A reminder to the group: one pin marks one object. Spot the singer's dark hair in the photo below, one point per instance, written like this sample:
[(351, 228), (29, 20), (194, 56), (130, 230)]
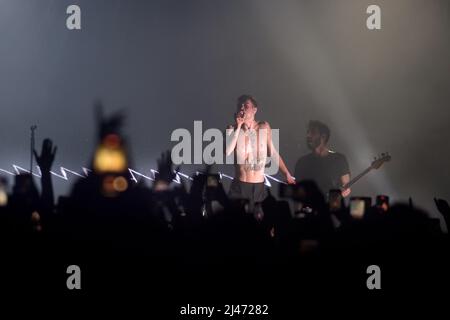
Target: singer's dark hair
[(244, 98)]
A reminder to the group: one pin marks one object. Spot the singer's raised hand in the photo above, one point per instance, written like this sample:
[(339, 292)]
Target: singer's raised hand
[(239, 118)]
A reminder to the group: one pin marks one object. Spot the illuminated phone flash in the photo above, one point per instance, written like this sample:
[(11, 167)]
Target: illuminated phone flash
[(112, 186), (109, 159), (120, 184), (3, 198), (357, 208)]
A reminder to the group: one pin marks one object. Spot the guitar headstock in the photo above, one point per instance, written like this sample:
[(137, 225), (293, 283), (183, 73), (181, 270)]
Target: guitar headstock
[(378, 162)]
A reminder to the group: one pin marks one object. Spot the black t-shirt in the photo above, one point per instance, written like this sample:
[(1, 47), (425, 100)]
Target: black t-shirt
[(325, 171)]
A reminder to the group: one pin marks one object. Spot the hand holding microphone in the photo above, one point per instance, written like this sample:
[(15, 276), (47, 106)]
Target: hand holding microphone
[(240, 118)]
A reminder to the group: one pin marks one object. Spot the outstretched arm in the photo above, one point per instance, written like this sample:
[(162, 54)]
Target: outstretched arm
[(444, 209), (273, 152)]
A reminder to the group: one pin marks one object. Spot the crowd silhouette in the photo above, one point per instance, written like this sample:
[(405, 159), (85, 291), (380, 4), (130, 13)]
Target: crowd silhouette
[(175, 238)]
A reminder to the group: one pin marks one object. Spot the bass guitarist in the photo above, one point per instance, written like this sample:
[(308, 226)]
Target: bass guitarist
[(327, 168)]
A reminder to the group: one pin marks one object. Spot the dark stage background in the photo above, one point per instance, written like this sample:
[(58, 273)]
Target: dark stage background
[(168, 63)]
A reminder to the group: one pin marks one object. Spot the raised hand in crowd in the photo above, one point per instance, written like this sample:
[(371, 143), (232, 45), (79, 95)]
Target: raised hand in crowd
[(444, 209), (45, 161), (48, 152), (165, 171)]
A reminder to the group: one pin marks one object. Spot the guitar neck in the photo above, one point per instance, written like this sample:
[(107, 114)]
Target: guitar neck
[(355, 179)]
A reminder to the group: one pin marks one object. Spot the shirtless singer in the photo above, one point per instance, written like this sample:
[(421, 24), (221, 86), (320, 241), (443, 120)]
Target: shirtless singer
[(251, 142)]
